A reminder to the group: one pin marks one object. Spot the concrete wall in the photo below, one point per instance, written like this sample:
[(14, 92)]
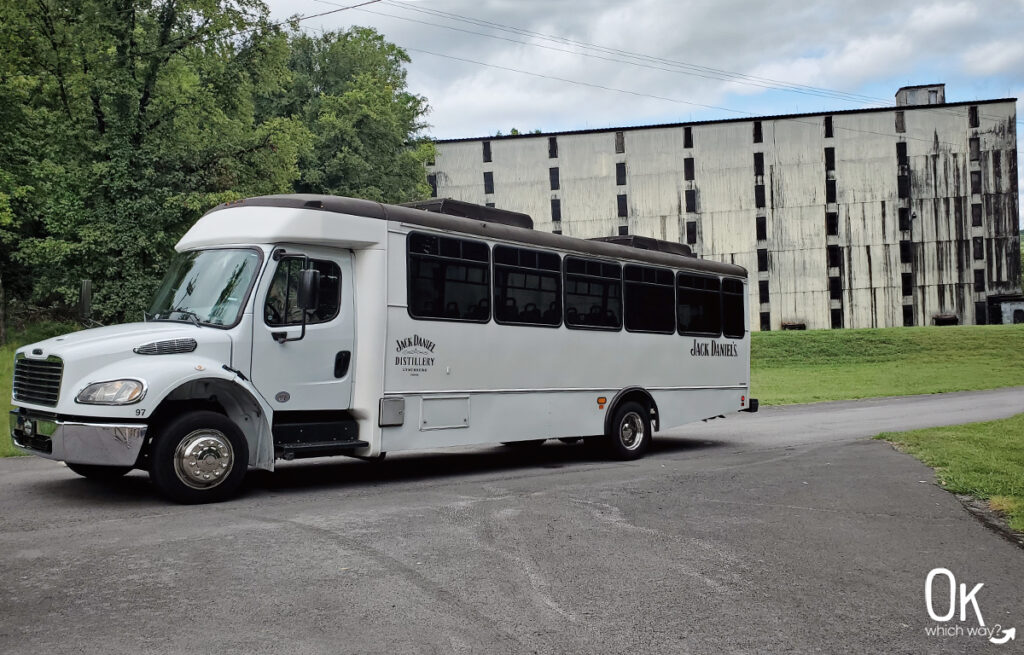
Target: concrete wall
[(725, 211)]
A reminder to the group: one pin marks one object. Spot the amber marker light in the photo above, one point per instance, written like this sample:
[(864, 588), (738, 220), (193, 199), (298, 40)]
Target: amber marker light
[(601, 400)]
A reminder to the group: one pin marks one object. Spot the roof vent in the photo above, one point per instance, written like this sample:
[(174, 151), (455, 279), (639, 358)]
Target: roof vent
[(476, 212), (647, 243)]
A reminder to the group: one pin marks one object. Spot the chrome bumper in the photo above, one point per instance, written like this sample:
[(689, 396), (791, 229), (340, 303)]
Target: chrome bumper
[(110, 444)]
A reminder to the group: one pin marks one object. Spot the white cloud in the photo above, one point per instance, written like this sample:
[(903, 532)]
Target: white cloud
[(994, 58)]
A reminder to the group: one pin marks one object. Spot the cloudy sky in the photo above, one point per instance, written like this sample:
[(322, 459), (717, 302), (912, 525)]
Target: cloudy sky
[(491, 65)]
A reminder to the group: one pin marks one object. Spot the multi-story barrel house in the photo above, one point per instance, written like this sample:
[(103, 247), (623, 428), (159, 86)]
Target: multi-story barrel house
[(880, 217)]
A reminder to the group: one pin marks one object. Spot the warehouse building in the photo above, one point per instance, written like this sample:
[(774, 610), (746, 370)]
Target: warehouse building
[(904, 215)]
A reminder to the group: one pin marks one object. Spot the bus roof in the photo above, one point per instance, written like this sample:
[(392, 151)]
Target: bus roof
[(484, 229)]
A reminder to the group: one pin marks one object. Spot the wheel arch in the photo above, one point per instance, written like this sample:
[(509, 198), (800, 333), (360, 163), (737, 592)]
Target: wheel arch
[(634, 394), (225, 396)]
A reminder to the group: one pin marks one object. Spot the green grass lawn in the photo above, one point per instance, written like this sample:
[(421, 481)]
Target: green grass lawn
[(34, 333), (984, 460), (818, 365)]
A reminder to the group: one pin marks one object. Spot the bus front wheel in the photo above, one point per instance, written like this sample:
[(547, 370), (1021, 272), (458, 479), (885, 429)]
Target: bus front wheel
[(630, 431), (199, 457)]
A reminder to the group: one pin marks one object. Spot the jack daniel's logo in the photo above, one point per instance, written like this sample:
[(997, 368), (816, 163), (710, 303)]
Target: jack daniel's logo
[(713, 349), (414, 354)]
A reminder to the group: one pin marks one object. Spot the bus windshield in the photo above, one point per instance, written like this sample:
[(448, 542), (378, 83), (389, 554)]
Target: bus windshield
[(206, 286)]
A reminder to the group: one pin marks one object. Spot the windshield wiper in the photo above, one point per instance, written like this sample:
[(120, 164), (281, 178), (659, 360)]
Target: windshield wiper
[(192, 316)]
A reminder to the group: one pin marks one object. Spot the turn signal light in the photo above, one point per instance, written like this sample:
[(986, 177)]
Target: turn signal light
[(601, 401)]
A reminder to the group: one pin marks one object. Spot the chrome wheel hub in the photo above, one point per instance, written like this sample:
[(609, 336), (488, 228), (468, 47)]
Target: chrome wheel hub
[(631, 431), (203, 459)]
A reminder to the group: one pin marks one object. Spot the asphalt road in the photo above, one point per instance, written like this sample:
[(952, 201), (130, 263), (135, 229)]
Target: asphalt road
[(787, 531)]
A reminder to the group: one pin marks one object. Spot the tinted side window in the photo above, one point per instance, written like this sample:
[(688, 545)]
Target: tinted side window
[(449, 279), (281, 308), (699, 307), (593, 294), (732, 308), (527, 286), (650, 299)]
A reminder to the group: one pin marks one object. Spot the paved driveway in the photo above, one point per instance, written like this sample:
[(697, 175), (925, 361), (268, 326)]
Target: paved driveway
[(784, 531)]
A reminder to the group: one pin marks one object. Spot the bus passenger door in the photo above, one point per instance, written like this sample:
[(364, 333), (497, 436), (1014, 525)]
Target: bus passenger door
[(312, 371)]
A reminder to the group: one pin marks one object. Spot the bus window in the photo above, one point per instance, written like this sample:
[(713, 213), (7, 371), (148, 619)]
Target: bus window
[(449, 279), (593, 294), (699, 307), (650, 299), (281, 308), (527, 286), (732, 308)]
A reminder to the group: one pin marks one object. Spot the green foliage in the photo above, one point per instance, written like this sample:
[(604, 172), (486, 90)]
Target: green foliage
[(984, 460), (819, 365), (125, 122)]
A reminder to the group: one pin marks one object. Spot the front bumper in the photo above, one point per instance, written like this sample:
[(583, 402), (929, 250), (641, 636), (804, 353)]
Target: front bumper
[(107, 444)]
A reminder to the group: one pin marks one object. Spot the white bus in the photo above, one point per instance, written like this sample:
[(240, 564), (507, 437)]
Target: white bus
[(305, 326)]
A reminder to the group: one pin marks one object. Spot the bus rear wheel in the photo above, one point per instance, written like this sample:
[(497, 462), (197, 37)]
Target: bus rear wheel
[(199, 457), (630, 432)]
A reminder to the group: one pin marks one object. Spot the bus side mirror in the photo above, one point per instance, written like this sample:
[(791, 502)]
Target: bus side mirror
[(309, 289), (85, 300)]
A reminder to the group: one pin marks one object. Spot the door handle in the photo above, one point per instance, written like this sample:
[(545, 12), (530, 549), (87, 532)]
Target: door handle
[(341, 362)]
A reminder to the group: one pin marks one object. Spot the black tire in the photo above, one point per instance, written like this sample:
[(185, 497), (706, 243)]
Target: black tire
[(98, 472), (198, 457), (629, 432)]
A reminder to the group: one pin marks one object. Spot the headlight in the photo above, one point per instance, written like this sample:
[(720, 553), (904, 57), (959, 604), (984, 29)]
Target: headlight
[(115, 392)]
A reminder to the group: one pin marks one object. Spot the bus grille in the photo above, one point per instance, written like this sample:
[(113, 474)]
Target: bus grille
[(37, 381)]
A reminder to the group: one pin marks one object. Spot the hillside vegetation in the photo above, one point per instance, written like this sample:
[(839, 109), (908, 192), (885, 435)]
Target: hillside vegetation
[(818, 365)]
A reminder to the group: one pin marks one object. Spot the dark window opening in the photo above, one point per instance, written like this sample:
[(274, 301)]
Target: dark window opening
[(688, 168), (901, 125), (972, 116), (732, 309), (687, 137), (975, 181), (757, 132), (623, 208), (699, 306), (904, 219), (908, 315), (553, 178), (758, 163), (908, 284), (831, 223), (759, 195), (835, 288), (623, 230), (527, 286), (649, 299), (449, 279), (901, 153), (979, 247), (830, 159), (762, 259), (556, 209), (691, 232), (979, 280), (691, 200), (593, 294), (830, 190), (835, 256), (903, 186), (762, 228), (620, 142), (281, 307), (432, 181), (906, 253), (981, 313), (974, 147), (766, 322), (837, 319), (487, 151), (976, 215), (828, 127), (489, 204), (488, 182), (556, 231), (552, 147), (762, 291), (620, 173)]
